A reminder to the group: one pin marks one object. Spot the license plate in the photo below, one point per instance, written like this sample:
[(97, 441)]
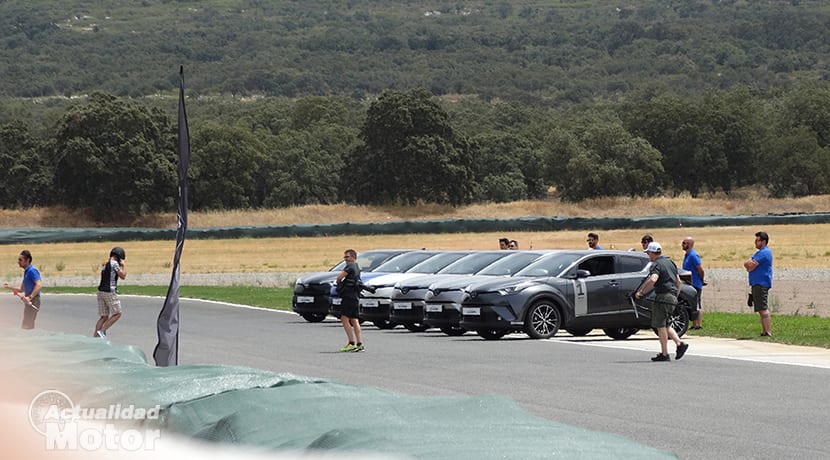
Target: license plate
[(369, 303), (402, 306), (434, 308), (336, 301), (471, 311), (305, 299)]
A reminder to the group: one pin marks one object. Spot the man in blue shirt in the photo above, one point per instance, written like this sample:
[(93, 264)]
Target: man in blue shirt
[(29, 289), (593, 242), (759, 267), (692, 263)]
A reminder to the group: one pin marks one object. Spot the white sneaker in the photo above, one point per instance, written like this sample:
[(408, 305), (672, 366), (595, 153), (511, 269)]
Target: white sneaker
[(101, 334)]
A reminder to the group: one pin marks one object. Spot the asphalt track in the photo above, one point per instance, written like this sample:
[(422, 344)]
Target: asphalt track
[(707, 405)]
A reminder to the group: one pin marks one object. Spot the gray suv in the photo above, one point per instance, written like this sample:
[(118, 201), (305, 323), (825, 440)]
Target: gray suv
[(574, 290)]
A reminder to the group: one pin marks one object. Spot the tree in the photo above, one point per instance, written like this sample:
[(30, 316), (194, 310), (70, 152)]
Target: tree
[(612, 163), (25, 176), (809, 106), (114, 156), (410, 153), (795, 164), (559, 145), (228, 167), (707, 143), (308, 166), (508, 168)]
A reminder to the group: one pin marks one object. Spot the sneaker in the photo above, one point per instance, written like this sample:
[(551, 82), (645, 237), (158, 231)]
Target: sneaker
[(681, 350), (766, 334), (358, 347), (101, 334), (349, 347), (661, 357)]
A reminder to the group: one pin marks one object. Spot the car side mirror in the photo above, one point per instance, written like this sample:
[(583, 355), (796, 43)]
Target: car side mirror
[(583, 273)]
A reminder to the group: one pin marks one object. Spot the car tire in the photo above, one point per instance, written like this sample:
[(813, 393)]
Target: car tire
[(453, 331), (385, 324), (543, 320), (416, 327), (313, 317), (578, 332), (491, 334), (680, 320), (620, 333)]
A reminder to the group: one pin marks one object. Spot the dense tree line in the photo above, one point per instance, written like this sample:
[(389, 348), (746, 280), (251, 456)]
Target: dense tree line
[(552, 53), (113, 154), (393, 102)]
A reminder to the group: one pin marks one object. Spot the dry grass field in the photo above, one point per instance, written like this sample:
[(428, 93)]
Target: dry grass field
[(794, 246), (720, 247)]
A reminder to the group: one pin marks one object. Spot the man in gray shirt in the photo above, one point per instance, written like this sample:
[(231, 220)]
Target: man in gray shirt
[(666, 282)]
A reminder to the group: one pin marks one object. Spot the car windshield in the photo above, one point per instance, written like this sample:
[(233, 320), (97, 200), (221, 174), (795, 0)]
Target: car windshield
[(550, 266), (439, 261), (472, 263), (370, 260), (339, 267), (403, 262), (510, 264)]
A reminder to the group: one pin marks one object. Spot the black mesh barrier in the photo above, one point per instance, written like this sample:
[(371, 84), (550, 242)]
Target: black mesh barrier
[(527, 224)]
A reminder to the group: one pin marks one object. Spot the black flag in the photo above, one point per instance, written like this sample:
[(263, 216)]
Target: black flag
[(167, 349)]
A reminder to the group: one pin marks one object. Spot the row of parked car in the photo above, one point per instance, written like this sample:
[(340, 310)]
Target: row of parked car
[(493, 293)]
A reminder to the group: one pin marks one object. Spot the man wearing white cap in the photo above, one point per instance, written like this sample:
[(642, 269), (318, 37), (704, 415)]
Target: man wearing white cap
[(666, 282)]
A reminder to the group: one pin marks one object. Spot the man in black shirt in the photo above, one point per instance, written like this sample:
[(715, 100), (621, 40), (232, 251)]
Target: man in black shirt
[(348, 286), (109, 306)]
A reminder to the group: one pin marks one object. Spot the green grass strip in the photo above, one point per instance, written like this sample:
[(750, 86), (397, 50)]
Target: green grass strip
[(811, 331)]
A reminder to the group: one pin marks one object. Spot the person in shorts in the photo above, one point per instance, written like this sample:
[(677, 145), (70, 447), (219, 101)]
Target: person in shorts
[(348, 286), (109, 306), (30, 289), (692, 263), (664, 278), (759, 267)]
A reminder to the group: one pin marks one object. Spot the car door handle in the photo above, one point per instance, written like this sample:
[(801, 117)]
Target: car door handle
[(613, 283)]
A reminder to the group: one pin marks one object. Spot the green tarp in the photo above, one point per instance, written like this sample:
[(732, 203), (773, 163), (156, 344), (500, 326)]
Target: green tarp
[(286, 412)]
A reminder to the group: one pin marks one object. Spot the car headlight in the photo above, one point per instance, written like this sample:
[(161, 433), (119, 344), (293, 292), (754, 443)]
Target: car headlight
[(509, 290)]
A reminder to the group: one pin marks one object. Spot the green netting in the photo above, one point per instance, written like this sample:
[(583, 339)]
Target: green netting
[(282, 411), (529, 224)]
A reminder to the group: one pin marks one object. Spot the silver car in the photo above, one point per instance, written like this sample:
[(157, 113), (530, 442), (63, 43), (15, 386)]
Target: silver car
[(442, 299)]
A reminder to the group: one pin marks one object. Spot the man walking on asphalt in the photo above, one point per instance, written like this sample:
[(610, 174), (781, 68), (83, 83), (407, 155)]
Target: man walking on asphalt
[(663, 276)]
